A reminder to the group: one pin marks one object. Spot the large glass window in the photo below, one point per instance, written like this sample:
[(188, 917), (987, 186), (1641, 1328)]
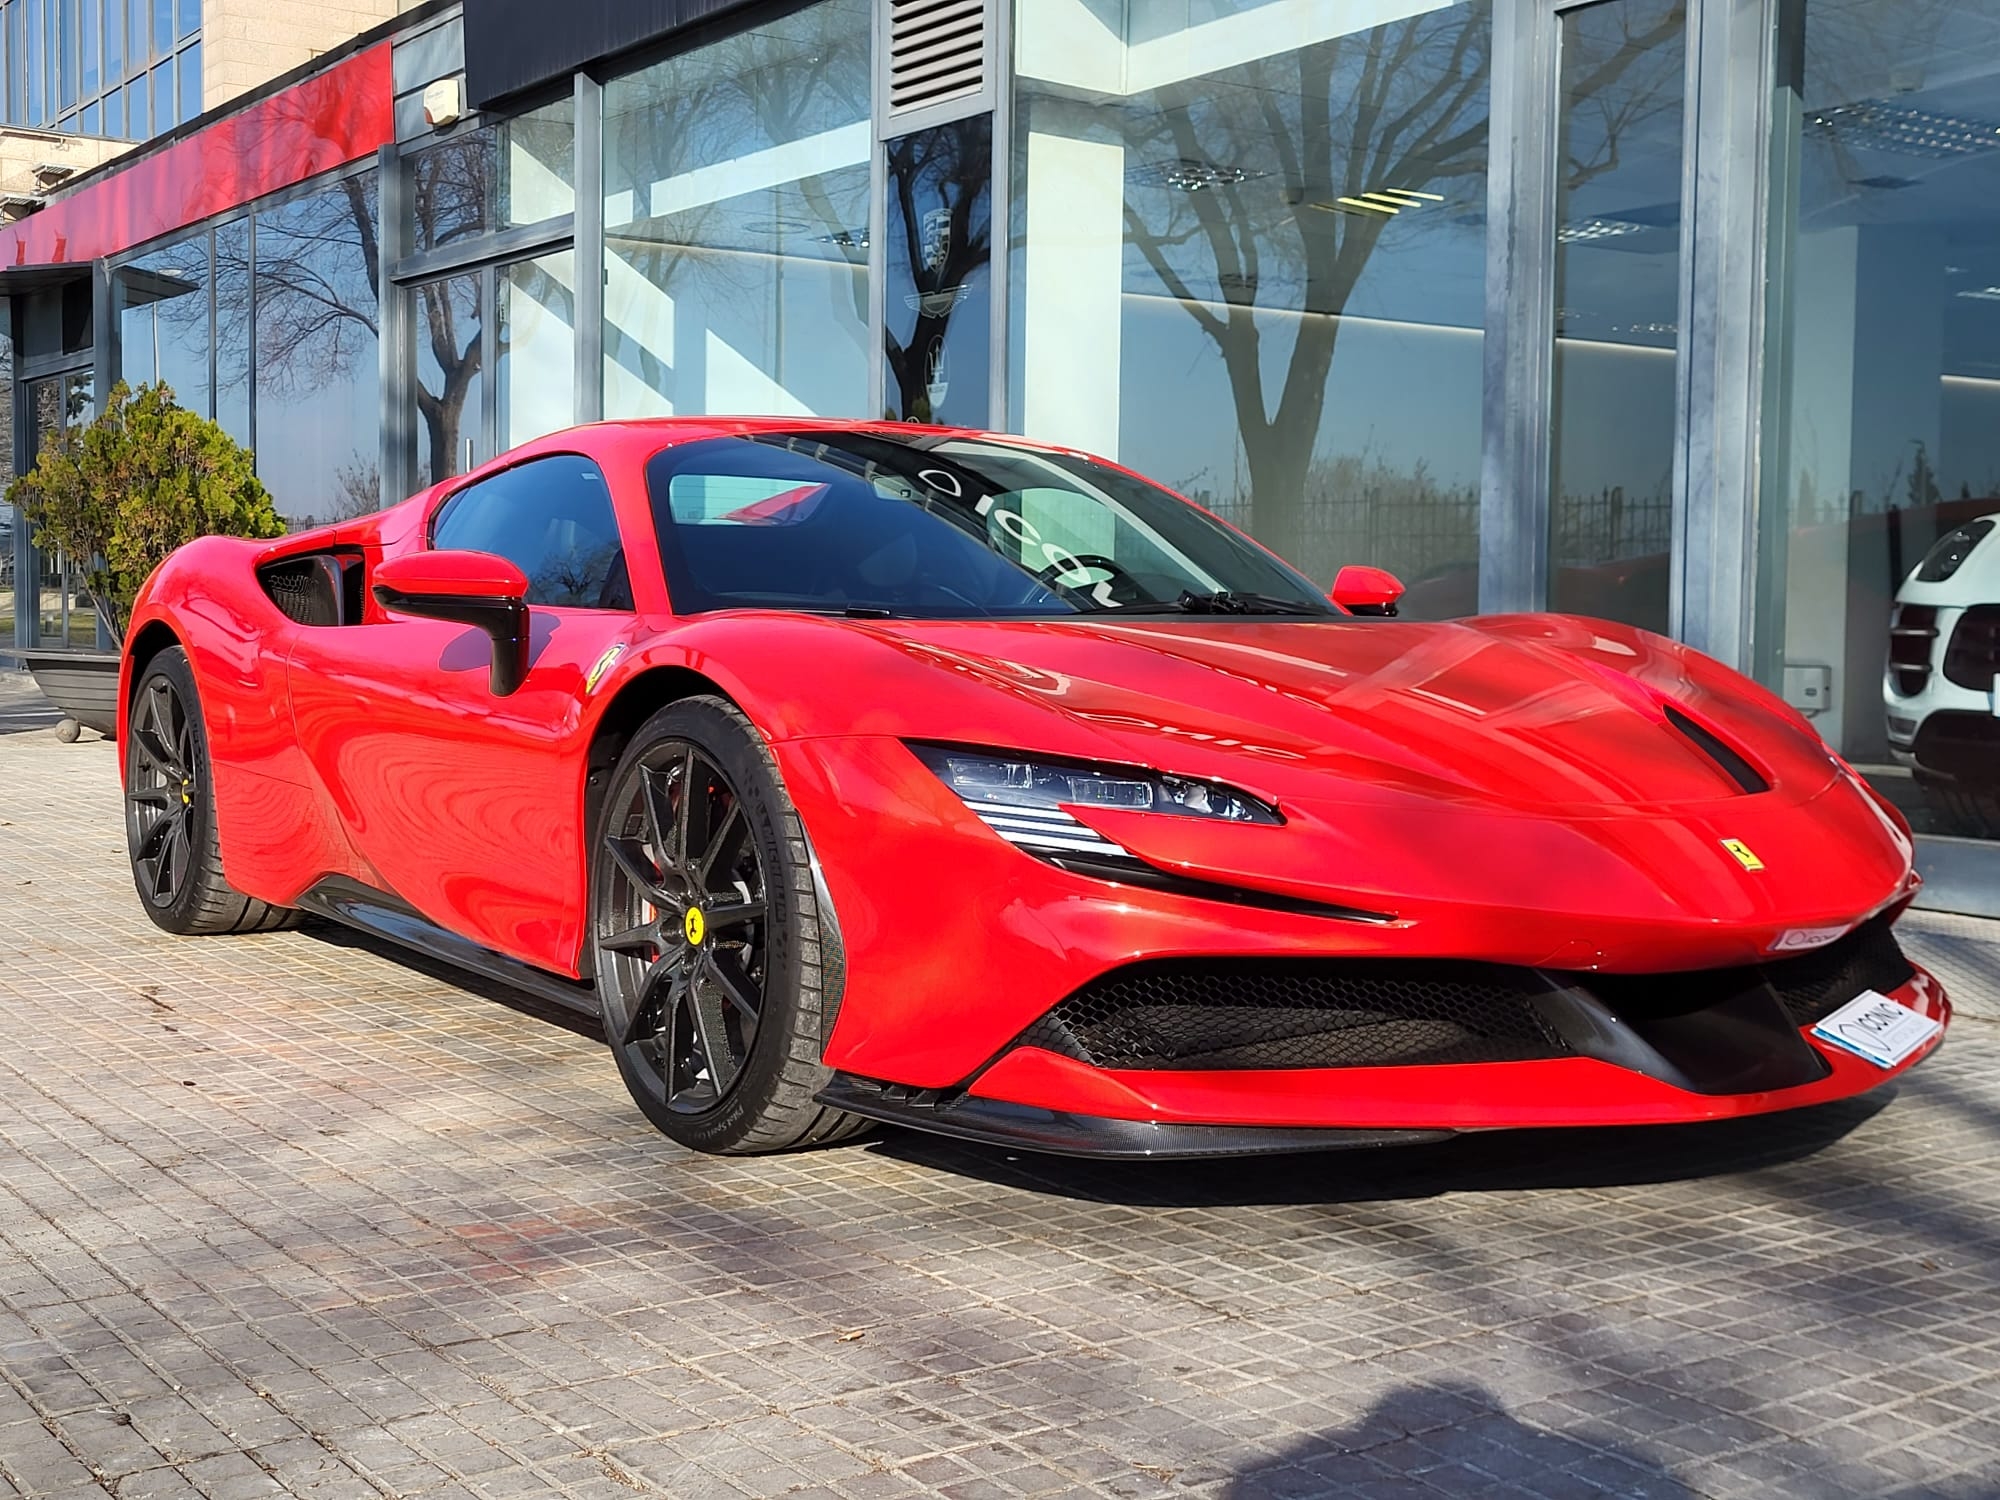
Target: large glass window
[(232, 328), (534, 364), (1621, 79), (1250, 260), (519, 172), (318, 421), (938, 313), (736, 223), (163, 312), (69, 64), (1878, 591), (450, 351)]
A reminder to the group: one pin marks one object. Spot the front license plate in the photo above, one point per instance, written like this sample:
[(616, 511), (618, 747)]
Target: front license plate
[(1873, 1026)]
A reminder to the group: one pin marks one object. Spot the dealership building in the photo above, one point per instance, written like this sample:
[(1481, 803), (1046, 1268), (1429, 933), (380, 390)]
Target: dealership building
[(1678, 312)]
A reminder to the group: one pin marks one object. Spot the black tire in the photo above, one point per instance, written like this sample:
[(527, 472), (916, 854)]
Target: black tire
[(714, 970), (1971, 812), (170, 812)]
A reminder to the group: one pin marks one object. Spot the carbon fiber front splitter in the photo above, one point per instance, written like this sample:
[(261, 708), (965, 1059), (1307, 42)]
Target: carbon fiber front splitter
[(994, 1122)]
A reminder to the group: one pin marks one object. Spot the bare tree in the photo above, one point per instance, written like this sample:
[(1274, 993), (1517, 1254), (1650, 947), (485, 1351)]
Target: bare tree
[(1400, 108)]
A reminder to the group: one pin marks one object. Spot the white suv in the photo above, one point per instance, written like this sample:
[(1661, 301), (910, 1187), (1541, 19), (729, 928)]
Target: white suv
[(1944, 644)]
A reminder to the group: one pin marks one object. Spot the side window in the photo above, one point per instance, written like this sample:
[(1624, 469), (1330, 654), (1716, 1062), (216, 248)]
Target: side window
[(551, 517)]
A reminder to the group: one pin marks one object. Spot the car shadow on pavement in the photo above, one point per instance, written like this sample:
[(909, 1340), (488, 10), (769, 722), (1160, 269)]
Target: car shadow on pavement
[(1453, 1438), (336, 936), (1483, 1161)]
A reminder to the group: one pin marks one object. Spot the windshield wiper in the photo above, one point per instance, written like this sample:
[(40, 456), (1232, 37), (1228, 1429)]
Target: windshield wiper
[(1232, 602)]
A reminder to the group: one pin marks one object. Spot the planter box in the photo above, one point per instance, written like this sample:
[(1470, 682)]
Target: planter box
[(83, 684)]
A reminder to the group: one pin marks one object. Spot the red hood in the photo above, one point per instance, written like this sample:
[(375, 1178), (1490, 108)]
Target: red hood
[(1514, 766), (1367, 710)]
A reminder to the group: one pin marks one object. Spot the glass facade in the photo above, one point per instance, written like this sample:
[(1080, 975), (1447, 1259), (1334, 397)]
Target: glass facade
[(1619, 123), (1465, 289), (316, 373), (269, 323), (127, 69), (736, 223), (1249, 258), (1882, 397)]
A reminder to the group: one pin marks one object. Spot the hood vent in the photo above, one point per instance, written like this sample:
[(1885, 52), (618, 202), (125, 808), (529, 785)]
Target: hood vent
[(937, 52), (1732, 764)]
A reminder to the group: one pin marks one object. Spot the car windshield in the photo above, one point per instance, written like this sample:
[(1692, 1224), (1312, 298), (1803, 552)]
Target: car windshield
[(945, 527)]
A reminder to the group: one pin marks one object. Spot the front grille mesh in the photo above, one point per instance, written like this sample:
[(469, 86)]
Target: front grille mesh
[(1299, 1013), (1200, 1014), (1974, 653), (1912, 636)]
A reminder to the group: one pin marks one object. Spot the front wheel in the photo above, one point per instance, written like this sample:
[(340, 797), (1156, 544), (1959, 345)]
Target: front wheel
[(711, 970)]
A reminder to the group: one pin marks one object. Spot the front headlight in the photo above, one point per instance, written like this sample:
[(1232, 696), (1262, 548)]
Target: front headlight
[(1023, 799)]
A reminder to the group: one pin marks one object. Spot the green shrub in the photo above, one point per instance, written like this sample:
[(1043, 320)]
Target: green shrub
[(116, 496)]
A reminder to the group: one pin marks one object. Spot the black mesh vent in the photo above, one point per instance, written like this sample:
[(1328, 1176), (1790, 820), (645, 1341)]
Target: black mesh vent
[(1811, 985), (308, 589), (1346, 1013), (1912, 637), (1974, 653), (1299, 1013)]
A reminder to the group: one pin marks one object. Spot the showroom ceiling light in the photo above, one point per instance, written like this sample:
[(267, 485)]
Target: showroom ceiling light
[(1583, 231), (1189, 176), (1379, 202), (1872, 124)]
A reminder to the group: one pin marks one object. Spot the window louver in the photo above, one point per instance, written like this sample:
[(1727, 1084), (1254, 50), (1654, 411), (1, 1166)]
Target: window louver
[(937, 51)]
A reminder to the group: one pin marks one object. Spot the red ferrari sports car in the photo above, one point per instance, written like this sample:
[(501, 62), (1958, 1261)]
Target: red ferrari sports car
[(860, 772)]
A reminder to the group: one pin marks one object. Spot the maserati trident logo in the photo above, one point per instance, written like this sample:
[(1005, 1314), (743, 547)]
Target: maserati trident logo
[(1743, 854)]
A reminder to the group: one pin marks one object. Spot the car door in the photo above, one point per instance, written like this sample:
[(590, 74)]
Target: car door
[(465, 805)]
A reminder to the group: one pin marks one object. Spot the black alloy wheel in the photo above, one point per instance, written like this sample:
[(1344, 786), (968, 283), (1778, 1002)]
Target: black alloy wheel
[(160, 788), (170, 826), (690, 959), (708, 947)]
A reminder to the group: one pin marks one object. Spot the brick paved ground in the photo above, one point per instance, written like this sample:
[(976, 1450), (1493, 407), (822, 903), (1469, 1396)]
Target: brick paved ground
[(281, 1215)]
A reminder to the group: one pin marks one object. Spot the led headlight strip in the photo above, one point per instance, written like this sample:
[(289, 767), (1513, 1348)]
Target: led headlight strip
[(1026, 800), (1038, 828)]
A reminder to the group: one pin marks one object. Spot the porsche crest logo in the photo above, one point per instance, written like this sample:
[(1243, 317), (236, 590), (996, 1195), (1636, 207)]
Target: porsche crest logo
[(1745, 856)]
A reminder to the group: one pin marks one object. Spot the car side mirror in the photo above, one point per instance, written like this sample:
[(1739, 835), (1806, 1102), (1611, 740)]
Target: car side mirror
[(1366, 591), (466, 588)]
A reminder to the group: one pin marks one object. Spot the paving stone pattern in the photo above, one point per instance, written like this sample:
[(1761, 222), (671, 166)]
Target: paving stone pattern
[(283, 1215)]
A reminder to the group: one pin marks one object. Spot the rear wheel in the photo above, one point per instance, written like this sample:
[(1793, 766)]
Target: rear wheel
[(711, 971), (170, 811)]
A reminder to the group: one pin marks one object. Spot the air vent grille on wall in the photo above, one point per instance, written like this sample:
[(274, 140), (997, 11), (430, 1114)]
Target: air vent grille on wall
[(937, 51)]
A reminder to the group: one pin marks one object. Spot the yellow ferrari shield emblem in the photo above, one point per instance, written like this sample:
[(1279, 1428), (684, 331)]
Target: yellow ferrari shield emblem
[(1744, 855), (696, 925)]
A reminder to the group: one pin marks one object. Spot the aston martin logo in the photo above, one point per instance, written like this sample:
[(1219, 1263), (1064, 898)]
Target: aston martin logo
[(1744, 855)]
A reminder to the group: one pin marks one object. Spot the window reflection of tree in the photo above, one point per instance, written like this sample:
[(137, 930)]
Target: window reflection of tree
[(577, 578), (316, 307), (452, 190), (948, 170), (1266, 152), (168, 290), (785, 82)]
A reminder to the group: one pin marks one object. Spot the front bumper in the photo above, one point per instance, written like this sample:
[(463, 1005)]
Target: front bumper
[(1041, 1101), (953, 942)]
